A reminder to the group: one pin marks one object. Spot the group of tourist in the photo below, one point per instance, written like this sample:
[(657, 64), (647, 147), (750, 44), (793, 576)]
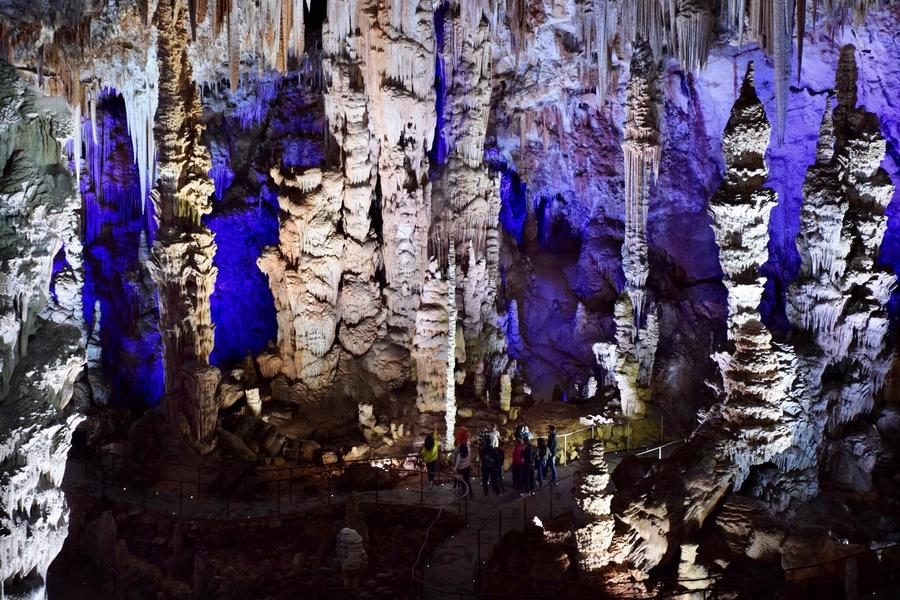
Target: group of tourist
[(531, 464)]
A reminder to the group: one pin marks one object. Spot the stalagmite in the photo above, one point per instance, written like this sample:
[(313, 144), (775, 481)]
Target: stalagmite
[(841, 295), (450, 401), (629, 361), (431, 346), (746, 428), (594, 523), (305, 273), (181, 263)]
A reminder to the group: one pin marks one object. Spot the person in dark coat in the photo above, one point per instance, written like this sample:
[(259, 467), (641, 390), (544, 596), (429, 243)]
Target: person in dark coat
[(488, 456), (500, 457), (528, 456), (540, 461), (551, 458)]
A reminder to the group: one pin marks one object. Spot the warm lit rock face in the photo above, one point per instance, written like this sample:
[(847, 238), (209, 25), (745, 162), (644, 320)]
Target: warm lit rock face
[(356, 298), (181, 262), (594, 523), (40, 337)]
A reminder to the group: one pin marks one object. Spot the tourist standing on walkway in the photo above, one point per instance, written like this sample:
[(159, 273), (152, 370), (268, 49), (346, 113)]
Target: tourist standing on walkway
[(540, 461), (463, 465), (488, 455), (494, 436), (528, 455), (430, 454), (499, 459), (551, 459), (518, 464)]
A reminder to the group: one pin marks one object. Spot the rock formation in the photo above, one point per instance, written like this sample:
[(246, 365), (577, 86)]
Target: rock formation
[(641, 149), (41, 338), (628, 362), (746, 428), (594, 523), (182, 256), (840, 296)]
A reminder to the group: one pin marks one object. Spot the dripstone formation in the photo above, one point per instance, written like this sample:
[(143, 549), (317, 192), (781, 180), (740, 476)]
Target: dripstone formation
[(252, 234)]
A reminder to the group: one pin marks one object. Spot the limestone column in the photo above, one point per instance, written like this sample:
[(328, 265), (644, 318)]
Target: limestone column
[(181, 262)]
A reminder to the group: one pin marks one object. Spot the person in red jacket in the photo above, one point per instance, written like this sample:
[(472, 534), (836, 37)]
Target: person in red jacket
[(518, 465)]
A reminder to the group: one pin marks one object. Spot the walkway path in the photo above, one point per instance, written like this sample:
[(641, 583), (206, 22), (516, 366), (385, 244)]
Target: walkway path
[(451, 570), (446, 571)]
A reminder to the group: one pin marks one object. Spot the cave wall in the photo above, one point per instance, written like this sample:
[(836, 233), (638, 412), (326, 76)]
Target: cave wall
[(42, 331)]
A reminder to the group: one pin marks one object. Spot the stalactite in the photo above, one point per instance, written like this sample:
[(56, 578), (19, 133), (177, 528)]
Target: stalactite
[(695, 29), (801, 34), (783, 47), (234, 49), (298, 29), (641, 149)]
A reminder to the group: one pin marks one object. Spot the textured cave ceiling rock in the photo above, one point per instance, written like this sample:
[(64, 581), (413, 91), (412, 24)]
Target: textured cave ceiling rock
[(40, 338)]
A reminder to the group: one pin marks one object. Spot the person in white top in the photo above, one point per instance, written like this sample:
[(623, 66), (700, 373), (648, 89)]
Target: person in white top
[(494, 436)]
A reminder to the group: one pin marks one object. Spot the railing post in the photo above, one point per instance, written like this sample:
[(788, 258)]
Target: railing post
[(524, 513), (478, 560), (467, 509)]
